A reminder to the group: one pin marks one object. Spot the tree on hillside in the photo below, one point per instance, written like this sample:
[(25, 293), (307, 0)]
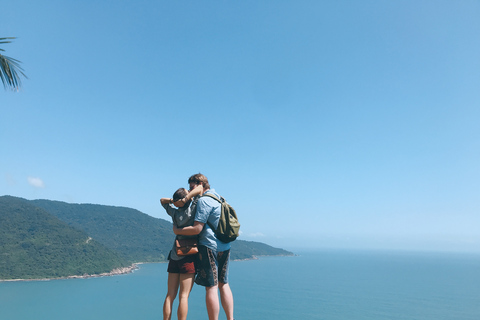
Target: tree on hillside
[(10, 70)]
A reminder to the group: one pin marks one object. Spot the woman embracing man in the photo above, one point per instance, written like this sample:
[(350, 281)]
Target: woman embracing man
[(196, 250)]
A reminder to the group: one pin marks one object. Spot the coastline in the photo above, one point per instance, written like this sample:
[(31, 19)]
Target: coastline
[(114, 272), (126, 270), (256, 257)]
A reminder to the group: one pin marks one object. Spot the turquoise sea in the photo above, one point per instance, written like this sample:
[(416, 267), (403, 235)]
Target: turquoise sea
[(330, 285)]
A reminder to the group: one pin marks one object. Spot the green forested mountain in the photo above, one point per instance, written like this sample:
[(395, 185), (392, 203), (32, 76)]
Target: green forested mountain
[(242, 249), (137, 236), (45, 239), (35, 244)]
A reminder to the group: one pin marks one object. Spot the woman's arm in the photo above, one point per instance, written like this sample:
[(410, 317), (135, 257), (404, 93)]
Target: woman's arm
[(198, 190), (166, 200), (189, 231)]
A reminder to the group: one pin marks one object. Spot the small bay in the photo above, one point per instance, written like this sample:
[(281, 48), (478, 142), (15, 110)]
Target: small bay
[(330, 285)]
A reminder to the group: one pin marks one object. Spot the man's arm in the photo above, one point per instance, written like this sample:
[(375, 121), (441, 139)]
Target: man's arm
[(198, 190), (189, 231)]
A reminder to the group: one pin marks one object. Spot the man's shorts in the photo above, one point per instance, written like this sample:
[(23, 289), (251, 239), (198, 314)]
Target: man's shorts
[(212, 267), (184, 265)]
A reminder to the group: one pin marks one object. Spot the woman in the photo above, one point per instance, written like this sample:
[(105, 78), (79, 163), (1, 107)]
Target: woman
[(181, 269)]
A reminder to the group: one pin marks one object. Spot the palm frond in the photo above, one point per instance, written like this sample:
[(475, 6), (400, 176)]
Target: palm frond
[(3, 40), (10, 69)]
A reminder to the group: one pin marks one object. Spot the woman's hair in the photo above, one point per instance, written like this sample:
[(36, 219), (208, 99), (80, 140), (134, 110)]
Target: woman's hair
[(179, 194), (199, 179)]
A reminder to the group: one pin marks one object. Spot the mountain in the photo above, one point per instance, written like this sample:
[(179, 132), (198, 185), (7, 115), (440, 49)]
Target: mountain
[(136, 236), (242, 249), (35, 244), (81, 239)]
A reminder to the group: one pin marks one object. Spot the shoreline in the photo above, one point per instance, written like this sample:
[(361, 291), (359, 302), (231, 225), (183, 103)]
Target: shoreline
[(256, 257), (124, 270), (114, 272)]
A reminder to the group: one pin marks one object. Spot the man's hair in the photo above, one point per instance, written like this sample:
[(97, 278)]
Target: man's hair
[(179, 194), (199, 179)]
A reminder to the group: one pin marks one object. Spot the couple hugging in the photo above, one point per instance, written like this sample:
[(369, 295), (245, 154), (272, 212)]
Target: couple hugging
[(192, 216)]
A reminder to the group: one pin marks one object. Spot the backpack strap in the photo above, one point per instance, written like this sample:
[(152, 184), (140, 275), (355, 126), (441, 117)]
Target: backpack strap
[(211, 196), (214, 197)]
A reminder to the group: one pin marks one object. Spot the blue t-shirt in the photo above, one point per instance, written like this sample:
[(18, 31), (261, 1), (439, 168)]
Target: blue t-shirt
[(209, 210)]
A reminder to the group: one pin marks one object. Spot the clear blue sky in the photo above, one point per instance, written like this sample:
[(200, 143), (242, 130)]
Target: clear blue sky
[(329, 124)]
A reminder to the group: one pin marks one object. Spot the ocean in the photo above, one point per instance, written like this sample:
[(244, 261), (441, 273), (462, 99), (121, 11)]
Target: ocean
[(330, 285)]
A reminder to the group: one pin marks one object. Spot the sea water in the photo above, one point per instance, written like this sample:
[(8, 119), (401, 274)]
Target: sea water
[(330, 285)]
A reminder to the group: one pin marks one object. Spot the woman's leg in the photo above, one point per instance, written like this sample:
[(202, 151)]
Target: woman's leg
[(186, 285), (173, 282)]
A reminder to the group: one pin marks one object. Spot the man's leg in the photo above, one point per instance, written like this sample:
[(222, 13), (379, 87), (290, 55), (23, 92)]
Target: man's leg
[(225, 291), (207, 276), (227, 299), (211, 299)]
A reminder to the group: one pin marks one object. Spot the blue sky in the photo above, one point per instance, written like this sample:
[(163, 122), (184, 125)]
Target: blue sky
[(326, 124)]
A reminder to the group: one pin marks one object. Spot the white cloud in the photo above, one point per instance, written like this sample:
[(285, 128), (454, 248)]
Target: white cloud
[(36, 182)]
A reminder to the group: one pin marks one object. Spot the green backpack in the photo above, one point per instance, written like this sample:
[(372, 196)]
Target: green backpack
[(228, 226)]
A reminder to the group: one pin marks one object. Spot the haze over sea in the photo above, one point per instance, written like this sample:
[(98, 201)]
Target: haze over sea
[(329, 285)]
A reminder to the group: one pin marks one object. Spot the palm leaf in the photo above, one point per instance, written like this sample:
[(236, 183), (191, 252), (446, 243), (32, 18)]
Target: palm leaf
[(4, 40), (10, 69)]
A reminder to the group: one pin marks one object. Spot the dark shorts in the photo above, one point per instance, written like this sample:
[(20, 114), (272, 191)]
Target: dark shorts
[(184, 265), (212, 267)]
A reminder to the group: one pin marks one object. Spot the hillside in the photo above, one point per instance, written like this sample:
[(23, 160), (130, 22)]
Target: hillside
[(136, 236), (35, 244), (248, 249)]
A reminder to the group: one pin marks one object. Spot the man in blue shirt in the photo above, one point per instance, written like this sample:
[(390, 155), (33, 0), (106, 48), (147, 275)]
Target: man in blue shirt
[(213, 255)]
